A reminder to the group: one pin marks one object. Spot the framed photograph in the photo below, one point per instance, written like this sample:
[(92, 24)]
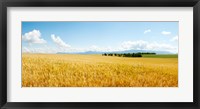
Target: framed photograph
[(99, 54)]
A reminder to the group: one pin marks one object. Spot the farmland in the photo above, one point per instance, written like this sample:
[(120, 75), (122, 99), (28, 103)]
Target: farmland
[(161, 56), (76, 70)]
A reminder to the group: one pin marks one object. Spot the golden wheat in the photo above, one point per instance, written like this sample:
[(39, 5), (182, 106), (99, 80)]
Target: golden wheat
[(70, 70)]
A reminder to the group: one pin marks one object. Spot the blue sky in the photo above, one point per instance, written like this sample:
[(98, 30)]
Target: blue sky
[(52, 37)]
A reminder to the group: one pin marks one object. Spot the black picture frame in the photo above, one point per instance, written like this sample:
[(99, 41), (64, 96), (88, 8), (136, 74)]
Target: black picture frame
[(99, 3)]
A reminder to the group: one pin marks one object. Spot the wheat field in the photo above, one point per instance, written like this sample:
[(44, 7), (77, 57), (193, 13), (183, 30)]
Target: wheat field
[(73, 70)]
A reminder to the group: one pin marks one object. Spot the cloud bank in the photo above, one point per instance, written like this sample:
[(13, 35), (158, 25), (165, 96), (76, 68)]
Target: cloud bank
[(126, 45), (145, 45), (33, 37), (57, 40)]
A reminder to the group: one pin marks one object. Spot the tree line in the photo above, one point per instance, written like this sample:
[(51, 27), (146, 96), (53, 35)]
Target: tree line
[(127, 54)]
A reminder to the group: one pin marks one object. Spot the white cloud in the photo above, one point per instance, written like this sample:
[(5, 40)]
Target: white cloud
[(100, 49), (144, 45), (137, 45), (174, 39), (165, 32), (94, 47), (59, 41), (127, 45), (147, 31), (33, 37), (43, 49)]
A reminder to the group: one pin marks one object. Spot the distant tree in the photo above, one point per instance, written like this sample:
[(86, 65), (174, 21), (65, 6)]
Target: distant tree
[(133, 55), (128, 55), (139, 54), (124, 55)]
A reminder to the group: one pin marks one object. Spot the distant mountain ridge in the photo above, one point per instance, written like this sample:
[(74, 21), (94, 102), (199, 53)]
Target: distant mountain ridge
[(125, 51)]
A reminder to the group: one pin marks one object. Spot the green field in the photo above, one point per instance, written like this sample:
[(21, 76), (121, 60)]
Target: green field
[(161, 56)]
